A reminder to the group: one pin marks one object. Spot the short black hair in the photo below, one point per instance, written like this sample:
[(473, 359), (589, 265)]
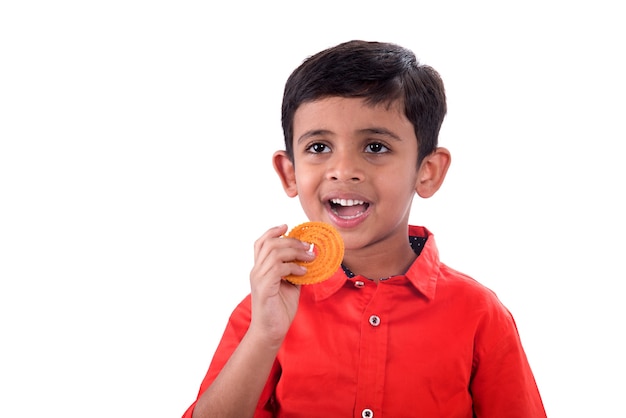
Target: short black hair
[(380, 73)]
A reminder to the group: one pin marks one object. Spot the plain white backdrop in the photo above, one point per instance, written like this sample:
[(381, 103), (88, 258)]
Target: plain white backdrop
[(135, 174)]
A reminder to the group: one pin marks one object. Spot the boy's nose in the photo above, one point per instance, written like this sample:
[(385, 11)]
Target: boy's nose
[(344, 167)]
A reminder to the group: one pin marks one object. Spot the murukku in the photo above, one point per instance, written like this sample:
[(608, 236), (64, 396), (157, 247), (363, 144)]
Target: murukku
[(328, 247)]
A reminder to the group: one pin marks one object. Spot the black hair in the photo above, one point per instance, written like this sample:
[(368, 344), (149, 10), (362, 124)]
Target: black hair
[(380, 73)]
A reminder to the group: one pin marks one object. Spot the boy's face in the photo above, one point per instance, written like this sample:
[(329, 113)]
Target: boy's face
[(355, 167)]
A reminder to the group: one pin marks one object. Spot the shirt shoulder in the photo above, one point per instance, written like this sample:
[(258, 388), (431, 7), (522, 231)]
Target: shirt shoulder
[(473, 298)]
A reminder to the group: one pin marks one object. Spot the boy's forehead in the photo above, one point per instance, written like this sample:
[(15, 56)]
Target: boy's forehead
[(350, 115), (349, 104), (327, 108)]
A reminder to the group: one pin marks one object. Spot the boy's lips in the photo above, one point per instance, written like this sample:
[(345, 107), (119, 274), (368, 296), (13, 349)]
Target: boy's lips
[(348, 209)]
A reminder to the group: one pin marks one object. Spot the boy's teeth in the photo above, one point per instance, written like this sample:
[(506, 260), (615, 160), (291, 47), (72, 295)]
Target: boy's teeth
[(347, 202)]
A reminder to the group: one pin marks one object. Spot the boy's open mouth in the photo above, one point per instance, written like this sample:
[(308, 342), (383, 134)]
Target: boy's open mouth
[(348, 208)]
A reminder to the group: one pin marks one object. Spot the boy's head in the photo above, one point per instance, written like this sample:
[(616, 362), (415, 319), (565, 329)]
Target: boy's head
[(377, 72)]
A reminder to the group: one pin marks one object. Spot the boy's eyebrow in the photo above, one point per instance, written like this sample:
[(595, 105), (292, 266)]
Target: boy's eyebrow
[(381, 131), (313, 132), (375, 130)]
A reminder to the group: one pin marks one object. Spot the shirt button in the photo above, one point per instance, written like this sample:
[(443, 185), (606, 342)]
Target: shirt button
[(367, 413), (359, 284), (374, 320)]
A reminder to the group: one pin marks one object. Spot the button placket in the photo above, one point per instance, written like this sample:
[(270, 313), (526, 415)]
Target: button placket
[(373, 349)]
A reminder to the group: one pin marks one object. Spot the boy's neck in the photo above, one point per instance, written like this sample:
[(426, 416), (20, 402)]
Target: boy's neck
[(375, 264)]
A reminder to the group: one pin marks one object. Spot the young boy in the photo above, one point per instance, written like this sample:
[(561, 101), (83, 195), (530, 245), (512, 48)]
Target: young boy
[(394, 332)]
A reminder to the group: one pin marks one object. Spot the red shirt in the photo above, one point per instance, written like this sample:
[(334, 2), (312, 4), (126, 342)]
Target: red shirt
[(430, 343)]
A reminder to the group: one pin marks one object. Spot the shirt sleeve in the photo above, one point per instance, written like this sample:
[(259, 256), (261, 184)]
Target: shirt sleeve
[(236, 328), (502, 383)]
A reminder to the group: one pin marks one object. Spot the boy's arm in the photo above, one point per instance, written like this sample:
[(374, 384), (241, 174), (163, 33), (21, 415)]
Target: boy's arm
[(503, 383), (236, 390)]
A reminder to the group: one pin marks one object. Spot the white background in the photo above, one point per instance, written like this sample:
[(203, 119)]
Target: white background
[(135, 174)]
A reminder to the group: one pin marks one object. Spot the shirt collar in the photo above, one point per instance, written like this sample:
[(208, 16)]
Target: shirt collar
[(422, 274)]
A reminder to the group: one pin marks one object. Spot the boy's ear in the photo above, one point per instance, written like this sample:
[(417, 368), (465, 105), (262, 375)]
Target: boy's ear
[(432, 172), (286, 171)]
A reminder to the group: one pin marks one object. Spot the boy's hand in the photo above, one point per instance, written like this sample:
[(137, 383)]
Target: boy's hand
[(275, 300)]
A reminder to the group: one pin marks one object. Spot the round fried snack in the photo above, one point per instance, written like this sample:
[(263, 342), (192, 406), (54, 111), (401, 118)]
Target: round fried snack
[(328, 247)]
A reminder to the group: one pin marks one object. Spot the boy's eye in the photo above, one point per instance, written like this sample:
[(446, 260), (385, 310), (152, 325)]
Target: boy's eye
[(318, 148), (376, 148)]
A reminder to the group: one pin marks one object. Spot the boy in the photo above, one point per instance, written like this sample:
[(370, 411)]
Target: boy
[(394, 332)]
